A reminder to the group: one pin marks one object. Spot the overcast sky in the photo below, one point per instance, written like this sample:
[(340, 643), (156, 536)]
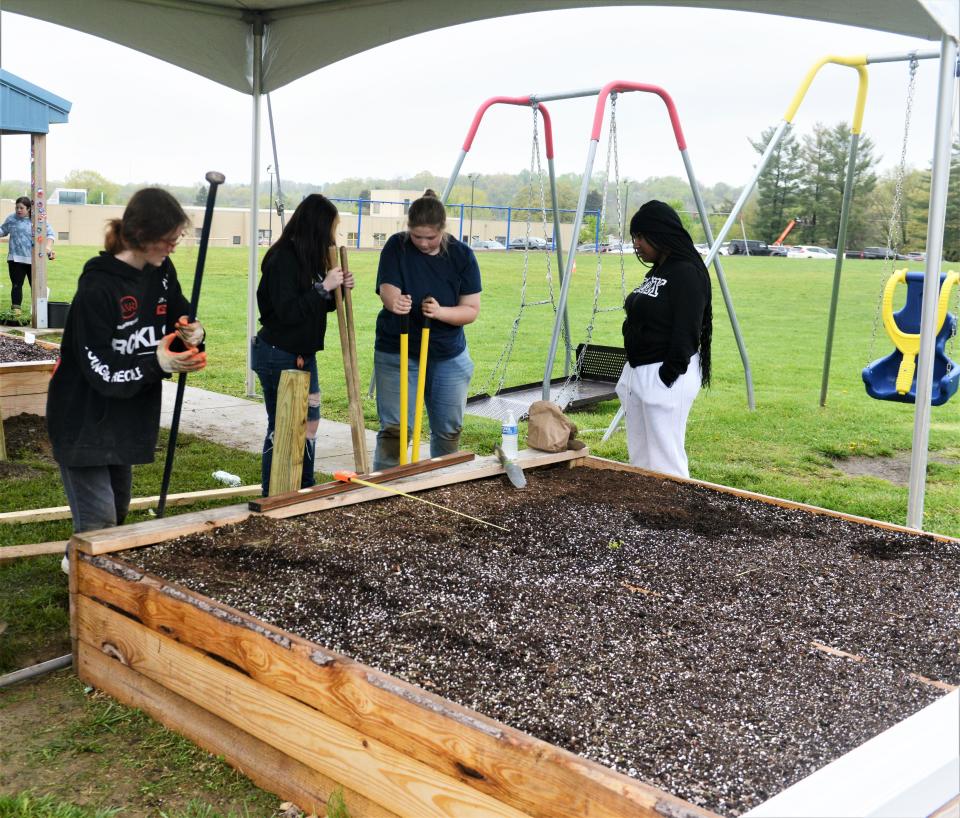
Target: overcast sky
[(406, 107)]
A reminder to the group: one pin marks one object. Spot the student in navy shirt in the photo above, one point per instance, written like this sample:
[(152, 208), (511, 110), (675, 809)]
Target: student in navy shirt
[(425, 272)]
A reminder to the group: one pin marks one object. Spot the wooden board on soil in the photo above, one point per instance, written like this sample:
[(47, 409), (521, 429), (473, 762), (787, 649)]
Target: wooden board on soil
[(715, 647)]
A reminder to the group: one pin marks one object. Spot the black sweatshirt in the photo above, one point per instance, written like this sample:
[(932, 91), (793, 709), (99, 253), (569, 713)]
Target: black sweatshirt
[(664, 317), (294, 316), (103, 404)]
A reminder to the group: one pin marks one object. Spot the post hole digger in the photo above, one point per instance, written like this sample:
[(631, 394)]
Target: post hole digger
[(348, 346), (411, 453), (215, 179)]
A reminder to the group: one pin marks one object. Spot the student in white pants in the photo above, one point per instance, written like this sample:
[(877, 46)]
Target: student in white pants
[(667, 333)]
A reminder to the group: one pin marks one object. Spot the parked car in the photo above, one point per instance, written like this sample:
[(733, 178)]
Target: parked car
[(587, 247), (778, 250), (874, 252), (748, 247), (488, 244), (702, 249), (616, 247), (532, 243), (916, 255), (724, 249), (809, 251)]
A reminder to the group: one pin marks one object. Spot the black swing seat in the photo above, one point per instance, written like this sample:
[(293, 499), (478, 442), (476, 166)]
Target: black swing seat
[(600, 369)]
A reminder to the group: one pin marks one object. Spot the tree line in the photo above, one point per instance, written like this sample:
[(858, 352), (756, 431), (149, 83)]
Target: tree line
[(804, 181)]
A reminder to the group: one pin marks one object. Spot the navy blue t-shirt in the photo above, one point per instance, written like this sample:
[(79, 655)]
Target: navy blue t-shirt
[(447, 276)]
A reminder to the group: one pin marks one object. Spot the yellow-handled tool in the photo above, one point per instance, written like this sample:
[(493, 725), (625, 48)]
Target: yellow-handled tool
[(421, 387), (404, 388), (351, 477)]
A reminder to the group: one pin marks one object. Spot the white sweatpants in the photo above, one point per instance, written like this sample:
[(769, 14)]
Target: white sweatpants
[(657, 415)]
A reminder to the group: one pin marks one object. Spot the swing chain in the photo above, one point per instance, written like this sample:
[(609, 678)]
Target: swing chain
[(612, 152), (498, 374), (893, 229)]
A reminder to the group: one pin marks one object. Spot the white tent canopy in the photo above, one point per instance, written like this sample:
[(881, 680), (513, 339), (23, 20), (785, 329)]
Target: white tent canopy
[(213, 38), (256, 46)]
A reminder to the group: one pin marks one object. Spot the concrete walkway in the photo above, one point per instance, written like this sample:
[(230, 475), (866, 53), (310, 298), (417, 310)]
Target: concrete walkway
[(242, 424)]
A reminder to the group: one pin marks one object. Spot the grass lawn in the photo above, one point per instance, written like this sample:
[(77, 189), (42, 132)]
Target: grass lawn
[(788, 447)]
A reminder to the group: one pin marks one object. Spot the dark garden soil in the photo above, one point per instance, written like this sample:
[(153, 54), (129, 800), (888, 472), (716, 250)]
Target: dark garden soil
[(26, 439), (13, 350), (665, 630)]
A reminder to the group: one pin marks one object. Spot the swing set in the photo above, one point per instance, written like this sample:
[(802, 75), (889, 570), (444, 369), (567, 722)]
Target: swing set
[(595, 369)]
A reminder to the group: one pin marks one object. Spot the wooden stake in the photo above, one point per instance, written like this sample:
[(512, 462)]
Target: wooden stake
[(16, 552), (290, 431)]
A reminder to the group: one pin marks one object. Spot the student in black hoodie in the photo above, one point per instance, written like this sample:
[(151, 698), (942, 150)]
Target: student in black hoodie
[(294, 297), (666, 333), (103, 404)]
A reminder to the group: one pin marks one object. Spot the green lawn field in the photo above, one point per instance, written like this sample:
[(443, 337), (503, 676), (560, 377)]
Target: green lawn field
[(788, 447)]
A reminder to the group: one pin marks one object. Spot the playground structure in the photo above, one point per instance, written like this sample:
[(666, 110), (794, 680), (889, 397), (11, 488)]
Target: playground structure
[(28, 109), (948, 61), (583, 384)]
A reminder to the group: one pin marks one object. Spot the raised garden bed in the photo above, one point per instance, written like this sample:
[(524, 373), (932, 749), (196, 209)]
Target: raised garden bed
[(633, 646), (25, 371)]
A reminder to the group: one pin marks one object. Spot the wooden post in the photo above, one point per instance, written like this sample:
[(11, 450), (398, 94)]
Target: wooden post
[(348, 346), (3, 439), (38, 184), (290, 431)]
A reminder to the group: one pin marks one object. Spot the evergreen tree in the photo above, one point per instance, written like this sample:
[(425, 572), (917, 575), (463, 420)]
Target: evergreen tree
[(825, 155), (778, 196)]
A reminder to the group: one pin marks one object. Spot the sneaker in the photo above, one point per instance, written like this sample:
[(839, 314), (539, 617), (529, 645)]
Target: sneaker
[(65, 565)]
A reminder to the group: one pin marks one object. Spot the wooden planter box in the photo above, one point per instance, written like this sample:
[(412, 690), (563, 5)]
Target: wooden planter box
[(301, 720), (23, 385)]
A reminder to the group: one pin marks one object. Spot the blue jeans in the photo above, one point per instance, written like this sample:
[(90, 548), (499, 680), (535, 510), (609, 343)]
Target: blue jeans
[(268, 362), (445, 398), (99, 496)]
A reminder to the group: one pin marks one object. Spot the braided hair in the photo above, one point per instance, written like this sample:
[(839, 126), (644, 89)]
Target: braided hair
[(662, 229)]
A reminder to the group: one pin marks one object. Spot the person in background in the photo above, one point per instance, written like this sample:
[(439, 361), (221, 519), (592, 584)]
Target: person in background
[(295, 294), (19, 227), (667, 334), (103, 403), (425, 273)]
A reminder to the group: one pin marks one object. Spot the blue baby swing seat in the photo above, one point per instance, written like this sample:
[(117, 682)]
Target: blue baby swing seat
[(894, 377)]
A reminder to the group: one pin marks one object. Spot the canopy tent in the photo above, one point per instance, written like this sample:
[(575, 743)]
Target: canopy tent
[(256, 46)]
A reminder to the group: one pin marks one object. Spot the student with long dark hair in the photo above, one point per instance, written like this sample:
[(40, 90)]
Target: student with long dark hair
[(667, 336), (295, 294), (19, 226), (425, 272), (103, 403)]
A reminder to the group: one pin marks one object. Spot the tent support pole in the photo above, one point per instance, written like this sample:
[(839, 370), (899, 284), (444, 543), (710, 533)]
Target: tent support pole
[(257, 32), (939, 179)]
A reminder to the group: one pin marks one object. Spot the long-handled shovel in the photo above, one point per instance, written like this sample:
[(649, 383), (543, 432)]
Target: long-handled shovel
[(421, 387), (215, 179), (350, 477)]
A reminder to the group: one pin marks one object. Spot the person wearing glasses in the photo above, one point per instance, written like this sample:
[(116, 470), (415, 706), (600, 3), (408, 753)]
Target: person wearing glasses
[(19, 227), (127, 329)]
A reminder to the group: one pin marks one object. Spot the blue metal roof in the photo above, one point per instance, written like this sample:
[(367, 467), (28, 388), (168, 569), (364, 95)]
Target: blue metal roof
[(27, 108)]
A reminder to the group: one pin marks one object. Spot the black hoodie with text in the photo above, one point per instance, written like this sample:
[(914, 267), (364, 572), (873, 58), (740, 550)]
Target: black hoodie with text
[(103, 404)]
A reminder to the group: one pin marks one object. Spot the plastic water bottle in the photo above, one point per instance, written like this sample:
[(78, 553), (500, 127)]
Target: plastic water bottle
[(509, 437), (227, 479)]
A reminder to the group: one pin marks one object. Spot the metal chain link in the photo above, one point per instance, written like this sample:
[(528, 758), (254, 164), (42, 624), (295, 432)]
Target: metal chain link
[(893, 242), (611, 152), (498, 374)]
